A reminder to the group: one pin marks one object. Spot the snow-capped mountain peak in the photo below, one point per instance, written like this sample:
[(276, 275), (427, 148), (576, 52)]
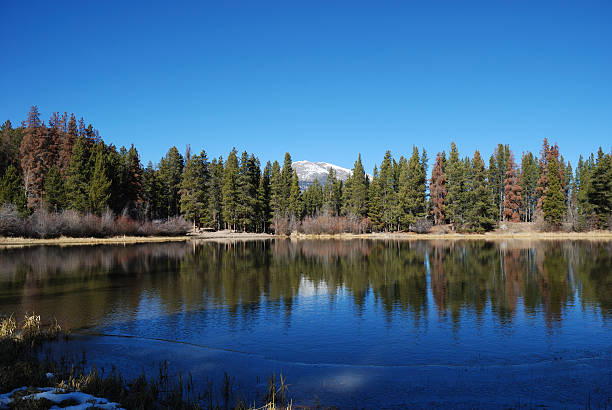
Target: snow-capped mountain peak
[(308, 171)]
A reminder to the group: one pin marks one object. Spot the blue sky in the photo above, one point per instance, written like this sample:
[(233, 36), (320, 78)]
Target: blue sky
[(322, 80)]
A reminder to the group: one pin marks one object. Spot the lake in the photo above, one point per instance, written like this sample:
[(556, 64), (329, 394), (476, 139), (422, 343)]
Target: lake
[(354, 323)]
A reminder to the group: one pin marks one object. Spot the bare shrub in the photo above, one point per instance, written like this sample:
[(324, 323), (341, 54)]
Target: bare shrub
[(328, 224), (11, 223), (284, 224), (422, 225), (44, 224), (107, 223)]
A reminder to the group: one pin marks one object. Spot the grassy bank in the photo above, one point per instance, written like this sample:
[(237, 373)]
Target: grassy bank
[(595, 235), (29, 382), (9, 241)]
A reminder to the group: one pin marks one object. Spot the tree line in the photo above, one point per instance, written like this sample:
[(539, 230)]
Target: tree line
[(66, 165)]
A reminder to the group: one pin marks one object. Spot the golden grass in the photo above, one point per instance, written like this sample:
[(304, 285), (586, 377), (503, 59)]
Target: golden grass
[(16, 242), (406, 236)]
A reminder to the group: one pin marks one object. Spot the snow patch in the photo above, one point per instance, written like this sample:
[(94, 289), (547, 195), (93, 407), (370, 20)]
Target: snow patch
[(56, 395)]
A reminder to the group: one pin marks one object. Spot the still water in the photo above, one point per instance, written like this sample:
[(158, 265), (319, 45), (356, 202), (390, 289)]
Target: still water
[(353, 323)]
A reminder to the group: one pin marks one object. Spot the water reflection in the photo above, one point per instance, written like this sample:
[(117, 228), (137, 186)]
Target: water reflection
[(87, 285)]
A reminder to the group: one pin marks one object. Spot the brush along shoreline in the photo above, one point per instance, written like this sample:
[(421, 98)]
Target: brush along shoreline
[(247, 236)]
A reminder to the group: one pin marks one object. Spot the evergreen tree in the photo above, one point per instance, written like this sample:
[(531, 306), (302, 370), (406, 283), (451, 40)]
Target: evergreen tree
[(296, 205), (497, 175), (193, 189), (437, 189), (55, 195), (313, 198), (215, 194), (231, 191), (482, 210), (529, 182), (78, 177), (600, 192), (388, 194), (357, 201), (10, 143), (512, 193), (286, 180), (412, 191), (553, 202), (151, 193), (99, 187), (332, 194), (584, 209), (375, 202), (264, 197), (170, 173), (35, 154), (457, 187), (11, 190), (276, 192)]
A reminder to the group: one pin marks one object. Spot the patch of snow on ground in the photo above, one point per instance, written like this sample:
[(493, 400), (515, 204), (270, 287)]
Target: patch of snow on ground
[(82, 400)]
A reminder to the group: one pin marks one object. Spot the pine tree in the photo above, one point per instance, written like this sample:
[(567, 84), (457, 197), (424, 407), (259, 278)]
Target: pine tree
[(529, 182), (332, 194), (55, 195), (78, 177), (286, 179), (215, 194), (497, 175), (151, 193), (457, 186), (357, 201), (10, 143), (35, 156), (482, 210), (99, 187), (437, 189), (375, 208), (512, 193), (170, 173), (388, 194), (264, 197), (11, 190), (313, 198), (231, 191), (276, 192), (584, 209), (412, 191), (296, 205), (553, 202), (193, 189), (600, 192)]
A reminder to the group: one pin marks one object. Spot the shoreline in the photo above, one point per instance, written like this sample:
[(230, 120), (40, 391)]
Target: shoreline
[(248, 236)]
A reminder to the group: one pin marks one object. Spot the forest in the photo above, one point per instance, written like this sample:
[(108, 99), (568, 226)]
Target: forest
[(62, 178)]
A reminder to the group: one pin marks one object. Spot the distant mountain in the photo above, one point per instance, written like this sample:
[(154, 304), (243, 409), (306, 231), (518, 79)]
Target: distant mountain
[(309, 171)]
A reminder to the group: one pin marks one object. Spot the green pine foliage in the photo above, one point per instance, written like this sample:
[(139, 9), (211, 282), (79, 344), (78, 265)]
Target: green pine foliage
[(193, 190), (78, 177), (313, 199), (412, 189), (553, 202), (99, 186), (11, 190), (55, 193), (482, 212), (231, 191), (296, 204), (600, 189)]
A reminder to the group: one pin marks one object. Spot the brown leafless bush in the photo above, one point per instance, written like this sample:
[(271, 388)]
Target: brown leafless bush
[(45, 224), (11, 223), (328, 224), (422, 225), (284, 224)]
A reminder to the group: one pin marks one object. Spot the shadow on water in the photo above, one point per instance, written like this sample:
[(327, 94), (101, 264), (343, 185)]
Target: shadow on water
[(435, 308)]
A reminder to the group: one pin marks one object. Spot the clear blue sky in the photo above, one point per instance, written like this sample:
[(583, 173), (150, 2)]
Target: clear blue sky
[(322, 80)]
